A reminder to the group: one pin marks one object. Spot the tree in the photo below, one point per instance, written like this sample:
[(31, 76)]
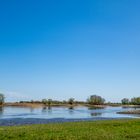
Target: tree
[(44, 101), (71, 101), (125, 101), (135, 101), (32, 101), (1, 98), (49, 102), (95, 100)]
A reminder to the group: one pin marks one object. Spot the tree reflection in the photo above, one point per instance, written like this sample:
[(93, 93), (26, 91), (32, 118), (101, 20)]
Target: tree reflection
[(95, 108), (96, 114), (44, 109), (1, 110), (47, 109), (31, 109), (71, 109)]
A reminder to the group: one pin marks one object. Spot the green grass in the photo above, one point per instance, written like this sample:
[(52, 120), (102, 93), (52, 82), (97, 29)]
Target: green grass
[(97, 130)]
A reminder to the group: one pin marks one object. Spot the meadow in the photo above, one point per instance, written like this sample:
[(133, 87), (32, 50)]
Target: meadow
[(95, 130)]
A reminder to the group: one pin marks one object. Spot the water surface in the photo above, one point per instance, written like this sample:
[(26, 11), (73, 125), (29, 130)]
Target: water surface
[(63, 112)]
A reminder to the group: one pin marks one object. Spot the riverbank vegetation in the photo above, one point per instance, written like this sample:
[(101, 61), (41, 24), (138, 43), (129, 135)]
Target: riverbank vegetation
[(132, 101), (93, 100), (97, 130), (1, 98)]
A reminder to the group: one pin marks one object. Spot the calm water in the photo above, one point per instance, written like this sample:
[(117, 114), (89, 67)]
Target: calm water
[(62, 112)]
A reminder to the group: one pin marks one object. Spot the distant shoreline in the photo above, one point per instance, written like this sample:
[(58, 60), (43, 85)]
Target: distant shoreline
[(37, 105)]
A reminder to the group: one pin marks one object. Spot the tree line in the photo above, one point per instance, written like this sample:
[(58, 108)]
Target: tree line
[(133, 101), (92, 100)]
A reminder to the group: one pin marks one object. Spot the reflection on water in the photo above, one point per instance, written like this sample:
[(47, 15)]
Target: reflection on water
[(133, 107), (71, 110), (44, 109), (1, 110), (31, 109), (93, 108), (62, 112), (96, 114), (47, 109)]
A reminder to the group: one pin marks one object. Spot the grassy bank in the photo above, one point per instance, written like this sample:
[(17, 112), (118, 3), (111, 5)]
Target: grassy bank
[(98, 130)]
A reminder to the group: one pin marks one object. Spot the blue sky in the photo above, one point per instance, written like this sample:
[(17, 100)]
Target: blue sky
[(74, 48)]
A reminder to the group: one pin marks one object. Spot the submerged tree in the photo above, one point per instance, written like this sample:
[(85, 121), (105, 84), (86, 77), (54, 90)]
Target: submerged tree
[(95, 100), (1, 98)]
